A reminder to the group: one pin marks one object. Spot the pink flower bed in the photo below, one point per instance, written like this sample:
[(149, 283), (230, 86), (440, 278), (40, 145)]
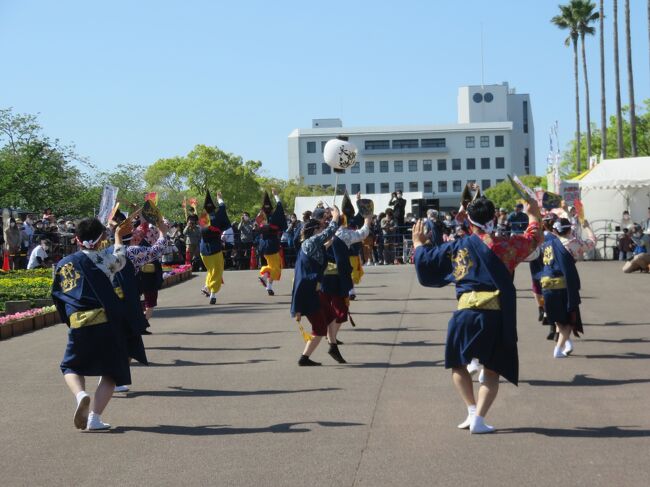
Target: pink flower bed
[(26, 314)]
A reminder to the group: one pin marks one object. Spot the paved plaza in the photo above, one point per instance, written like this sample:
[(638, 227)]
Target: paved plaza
[(223, 402)]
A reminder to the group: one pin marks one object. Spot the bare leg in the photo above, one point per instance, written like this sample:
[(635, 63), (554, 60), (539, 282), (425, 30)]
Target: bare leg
[(103, 394), (463, 383), (565, 334), (311, 345), (332, 330), (76, 383), (148, 312), (487, 392)]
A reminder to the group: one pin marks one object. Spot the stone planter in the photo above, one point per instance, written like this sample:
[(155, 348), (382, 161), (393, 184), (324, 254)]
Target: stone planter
[(6, 331)]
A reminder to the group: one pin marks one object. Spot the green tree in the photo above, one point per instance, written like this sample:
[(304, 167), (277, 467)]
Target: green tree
[(620, 148), (38, 172), (206, 168), (291, 189), (630, 81), (568, 20), (503, 194)]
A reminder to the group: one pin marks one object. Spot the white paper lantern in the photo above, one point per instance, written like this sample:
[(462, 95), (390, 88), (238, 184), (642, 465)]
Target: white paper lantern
[(340, 154)]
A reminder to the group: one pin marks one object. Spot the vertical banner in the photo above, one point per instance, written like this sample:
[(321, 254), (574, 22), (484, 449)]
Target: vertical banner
[(109, 197)]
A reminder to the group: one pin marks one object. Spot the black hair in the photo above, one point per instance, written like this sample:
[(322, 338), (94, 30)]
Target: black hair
[(309, 229), (89, 229), (481, 210), (46, 241), (564, 222)]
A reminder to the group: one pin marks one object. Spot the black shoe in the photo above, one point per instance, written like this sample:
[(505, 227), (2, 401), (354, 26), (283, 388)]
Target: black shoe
[(307, 362), (147, 332), (270, 291), (540, 314), (353, 297), (339, 342), (213, 300), (551, 332), (336, 355), (545, 320)]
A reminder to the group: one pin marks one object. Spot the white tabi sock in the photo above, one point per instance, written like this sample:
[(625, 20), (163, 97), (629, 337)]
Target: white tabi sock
[(471, 412), (269, 286), (478, 426), (213, 295)]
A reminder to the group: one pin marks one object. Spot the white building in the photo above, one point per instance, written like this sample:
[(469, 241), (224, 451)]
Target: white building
[(494, 136)]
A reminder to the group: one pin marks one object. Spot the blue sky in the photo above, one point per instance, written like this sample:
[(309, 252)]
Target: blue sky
[(135, 81)]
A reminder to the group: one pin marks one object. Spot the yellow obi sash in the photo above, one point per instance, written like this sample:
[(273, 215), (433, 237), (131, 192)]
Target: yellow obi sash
[(331, 270), (479, 300), (148, 268), (119, 291), (88, 318), (553, 283)]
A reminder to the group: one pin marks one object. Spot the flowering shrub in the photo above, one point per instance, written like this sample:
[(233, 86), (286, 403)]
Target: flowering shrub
[(18, 286), (26, 314), (176, 269)]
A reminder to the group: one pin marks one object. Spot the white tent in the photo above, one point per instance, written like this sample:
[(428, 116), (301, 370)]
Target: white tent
[(613, 186)]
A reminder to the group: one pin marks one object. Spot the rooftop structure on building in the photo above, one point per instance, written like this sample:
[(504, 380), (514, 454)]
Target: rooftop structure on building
[(493, 137)]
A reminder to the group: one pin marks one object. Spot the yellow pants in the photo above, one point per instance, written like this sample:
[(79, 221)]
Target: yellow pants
[(214, 265), (273, 266), (357, 268)]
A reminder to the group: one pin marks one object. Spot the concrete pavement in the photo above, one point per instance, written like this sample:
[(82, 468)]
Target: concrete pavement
[(224, 403)]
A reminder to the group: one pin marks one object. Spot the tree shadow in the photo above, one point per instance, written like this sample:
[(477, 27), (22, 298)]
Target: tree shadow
[(222, 333), (187, 363), (622, 340), (214, 349), (208, 310), (418, 343), (584, 380), (616, 323), (381, 330), (218, 430), (379, 313), (628, 355), (407, 365), (582, 432), (179, 391)]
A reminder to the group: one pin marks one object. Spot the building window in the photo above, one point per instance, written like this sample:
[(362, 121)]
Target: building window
[(485, 184), (340, 189), (383, 166), (457, 186), (526, 161), (399, 166), (500, 162), (498, 141), (434, 143), (427, 165), (322, 145), (469, 142), (370, 188), (413, 186), (485, 163), (442, 186), (377, 144), (485, 141), (325, 169), (499, 181), (356, 169), (413, 166), (311, 147), (442, 164), (406, 144), (370, 166), (399, 186), (355, 188), (428, 187), (471, 163), (455, 164), (384, 188), (525, 117), (311, 169)]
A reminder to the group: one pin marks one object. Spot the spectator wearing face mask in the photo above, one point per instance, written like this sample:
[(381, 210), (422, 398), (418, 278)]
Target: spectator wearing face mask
[(39, 256), (13, 241)]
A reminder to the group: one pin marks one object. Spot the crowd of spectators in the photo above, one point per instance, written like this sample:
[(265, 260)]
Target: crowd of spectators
[(633, 244)]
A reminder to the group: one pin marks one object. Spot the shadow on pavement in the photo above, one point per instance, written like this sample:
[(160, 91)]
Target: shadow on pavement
[(386, 365), (584, 380), (217, 429), (207, 333), (177, 391), (580, 432), (419, 343), (616, 323), (622, 340), (377, 330), (628, 355), (215, 349), (187, 363), (208, 310)]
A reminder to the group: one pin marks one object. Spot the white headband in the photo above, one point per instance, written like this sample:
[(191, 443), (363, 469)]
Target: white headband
[(560, 228), (90, 244), (487, 228)]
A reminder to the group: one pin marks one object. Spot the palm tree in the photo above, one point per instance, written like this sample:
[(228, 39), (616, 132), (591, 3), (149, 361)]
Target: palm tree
[(603, 104), (617, 83), (585, 15), (567, 20), (630, 79)]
